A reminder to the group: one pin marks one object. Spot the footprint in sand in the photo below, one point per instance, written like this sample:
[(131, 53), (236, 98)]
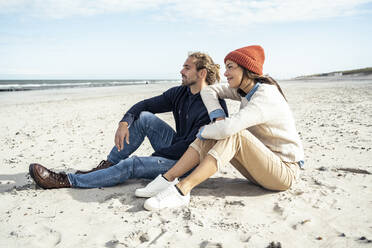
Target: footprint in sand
[(45, 237), (207, 244)]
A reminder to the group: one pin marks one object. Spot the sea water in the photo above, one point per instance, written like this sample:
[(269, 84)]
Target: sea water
[(21, 85)]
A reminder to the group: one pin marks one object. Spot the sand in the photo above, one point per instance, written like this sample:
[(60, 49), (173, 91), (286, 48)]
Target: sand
[(70, 129)]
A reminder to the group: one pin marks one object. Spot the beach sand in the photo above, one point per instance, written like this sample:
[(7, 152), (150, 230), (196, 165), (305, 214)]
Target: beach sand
[(70, 129)]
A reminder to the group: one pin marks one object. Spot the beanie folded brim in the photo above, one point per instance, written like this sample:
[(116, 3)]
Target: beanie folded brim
[(250, 57)]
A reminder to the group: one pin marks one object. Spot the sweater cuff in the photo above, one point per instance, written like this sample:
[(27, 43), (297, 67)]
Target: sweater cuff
[(199, 134), (129, 118), (217, 114)]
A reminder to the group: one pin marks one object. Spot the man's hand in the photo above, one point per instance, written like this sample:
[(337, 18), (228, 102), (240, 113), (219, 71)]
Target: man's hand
[(220, 118), (121, 133)]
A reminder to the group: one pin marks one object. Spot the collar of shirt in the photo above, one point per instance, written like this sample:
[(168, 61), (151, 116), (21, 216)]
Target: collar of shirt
[(252, 91)]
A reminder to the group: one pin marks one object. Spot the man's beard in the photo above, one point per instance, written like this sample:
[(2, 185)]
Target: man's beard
[(188, 83)]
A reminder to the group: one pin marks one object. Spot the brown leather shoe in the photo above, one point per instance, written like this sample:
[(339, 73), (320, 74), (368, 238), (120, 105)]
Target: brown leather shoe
[(48, 179), (102, 165)]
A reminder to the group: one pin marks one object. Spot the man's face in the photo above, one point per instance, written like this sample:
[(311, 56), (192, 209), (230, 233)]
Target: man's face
[(189, 72)]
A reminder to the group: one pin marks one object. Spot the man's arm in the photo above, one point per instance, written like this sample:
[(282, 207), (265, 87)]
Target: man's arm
[(158, 104)]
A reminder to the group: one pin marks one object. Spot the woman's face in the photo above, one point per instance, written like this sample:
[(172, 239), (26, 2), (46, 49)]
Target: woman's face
[(233, 74)]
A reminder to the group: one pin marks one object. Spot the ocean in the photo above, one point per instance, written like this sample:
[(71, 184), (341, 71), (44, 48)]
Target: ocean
[(21, 85)]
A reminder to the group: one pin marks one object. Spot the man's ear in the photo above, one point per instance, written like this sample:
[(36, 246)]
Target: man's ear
[(202, 73)]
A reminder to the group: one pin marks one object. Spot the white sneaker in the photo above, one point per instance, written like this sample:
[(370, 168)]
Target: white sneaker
[(155, 186), (168, 198)]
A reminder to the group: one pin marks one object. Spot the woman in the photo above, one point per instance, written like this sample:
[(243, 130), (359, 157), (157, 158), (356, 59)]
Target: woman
[(260, 141)]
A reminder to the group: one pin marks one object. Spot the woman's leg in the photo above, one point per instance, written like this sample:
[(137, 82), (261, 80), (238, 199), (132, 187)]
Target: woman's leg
[(250, 156), (243, 170), (166, 193), (191, 158), (255, 161), (201, 173)]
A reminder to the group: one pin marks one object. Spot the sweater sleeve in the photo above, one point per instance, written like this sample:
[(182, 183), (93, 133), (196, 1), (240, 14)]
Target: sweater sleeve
[(158, 104), (212, 93), (250, 115)]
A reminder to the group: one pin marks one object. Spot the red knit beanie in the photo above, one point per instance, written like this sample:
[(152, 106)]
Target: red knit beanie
[(250, 57)]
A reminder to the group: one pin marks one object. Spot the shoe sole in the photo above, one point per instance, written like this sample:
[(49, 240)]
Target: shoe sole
[(144, 195), (149, 208), (30, 170)]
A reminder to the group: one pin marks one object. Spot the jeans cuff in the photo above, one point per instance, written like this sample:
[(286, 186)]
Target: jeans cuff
[(70, 180)]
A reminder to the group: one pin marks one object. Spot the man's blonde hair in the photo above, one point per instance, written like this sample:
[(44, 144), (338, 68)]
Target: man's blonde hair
[(204, 61)]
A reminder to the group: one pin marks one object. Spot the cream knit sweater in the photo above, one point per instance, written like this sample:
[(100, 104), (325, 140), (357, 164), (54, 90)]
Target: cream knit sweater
[(265, 114)]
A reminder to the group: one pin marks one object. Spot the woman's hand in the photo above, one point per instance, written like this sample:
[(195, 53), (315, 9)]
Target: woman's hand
[(121, 133)]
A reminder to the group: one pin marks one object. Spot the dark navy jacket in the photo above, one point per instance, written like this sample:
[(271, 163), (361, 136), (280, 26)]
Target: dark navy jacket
[(189, 113)]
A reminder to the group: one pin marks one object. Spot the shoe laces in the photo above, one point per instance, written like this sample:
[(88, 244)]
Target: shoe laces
[(103, 164), (59, 177)]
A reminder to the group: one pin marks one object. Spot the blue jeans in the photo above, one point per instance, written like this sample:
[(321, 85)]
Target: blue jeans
[(160, 135)]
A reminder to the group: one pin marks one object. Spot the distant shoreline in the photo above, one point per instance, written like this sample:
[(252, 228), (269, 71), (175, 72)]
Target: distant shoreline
[(357, 74), (27, 85), (332, 78)]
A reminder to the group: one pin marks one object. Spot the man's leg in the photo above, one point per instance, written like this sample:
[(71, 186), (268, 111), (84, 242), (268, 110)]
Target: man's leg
[(159, 133), (130, 168)]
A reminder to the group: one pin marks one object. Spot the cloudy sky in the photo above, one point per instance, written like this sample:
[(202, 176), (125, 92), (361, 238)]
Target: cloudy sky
[(150, 39)]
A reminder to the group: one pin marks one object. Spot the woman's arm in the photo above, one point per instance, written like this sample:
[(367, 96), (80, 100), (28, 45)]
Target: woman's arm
[(246, 117), (210, 95), (258, 110)]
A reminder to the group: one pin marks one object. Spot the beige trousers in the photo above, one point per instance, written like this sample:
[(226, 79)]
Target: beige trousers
[(251, 158)]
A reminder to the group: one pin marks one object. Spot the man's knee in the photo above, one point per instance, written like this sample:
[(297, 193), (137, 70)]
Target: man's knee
[(145, 118), (124, 164), (145, 115)]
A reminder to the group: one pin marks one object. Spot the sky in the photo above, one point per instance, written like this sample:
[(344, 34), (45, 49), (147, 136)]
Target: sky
[(150, 39)]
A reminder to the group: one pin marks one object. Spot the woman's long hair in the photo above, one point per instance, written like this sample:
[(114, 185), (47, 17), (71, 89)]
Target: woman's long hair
[(265, 79)]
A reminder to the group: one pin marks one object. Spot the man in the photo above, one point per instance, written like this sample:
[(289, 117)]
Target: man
[(139, 122)]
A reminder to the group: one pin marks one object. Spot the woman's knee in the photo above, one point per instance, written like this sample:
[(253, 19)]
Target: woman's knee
[(203, 146), (203, 143), (233, 137)]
